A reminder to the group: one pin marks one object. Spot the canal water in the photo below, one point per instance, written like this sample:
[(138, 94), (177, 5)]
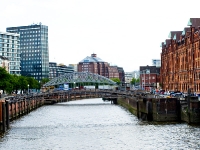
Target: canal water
[(92, 124)]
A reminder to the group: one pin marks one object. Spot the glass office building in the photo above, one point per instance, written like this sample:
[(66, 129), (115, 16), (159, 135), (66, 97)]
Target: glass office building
[(10, 48), (34, 50), (58, 70)]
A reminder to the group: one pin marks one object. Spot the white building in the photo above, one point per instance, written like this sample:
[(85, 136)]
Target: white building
[(4, 63), (9, 48), (156, 62)]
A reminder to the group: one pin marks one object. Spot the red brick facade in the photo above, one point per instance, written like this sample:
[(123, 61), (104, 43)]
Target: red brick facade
[(149, 80), (95, 65), (180, 59)]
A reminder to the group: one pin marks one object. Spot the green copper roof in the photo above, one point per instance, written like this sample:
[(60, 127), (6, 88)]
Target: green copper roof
[(183, 33), (170, 35), (174, 38), (189, 23)]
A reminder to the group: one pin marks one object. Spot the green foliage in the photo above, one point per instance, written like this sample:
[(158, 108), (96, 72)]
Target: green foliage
[(134, 81), (4, 79), (117, 80), (44, 80), (23, 83), (13, 83)]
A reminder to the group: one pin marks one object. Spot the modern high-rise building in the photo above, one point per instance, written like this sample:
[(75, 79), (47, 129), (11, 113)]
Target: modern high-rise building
[(10, 48), (34, 50)]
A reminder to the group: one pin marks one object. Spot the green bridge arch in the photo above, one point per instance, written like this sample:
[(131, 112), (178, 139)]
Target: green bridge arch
[(79, 77)]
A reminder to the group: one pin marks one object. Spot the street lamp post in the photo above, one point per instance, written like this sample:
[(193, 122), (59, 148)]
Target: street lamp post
[(28, 88)]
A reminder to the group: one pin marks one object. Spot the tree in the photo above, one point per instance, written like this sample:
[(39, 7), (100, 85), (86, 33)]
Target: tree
[(15, 83), (117, 80), (23, 83), (44, 80), (4, 79), (134, 81), (33, 84)]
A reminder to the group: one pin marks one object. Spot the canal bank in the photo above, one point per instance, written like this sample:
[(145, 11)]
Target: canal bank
[(162, 109), (90, 124)]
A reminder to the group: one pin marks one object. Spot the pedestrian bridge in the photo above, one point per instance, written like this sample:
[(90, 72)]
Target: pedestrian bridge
[(80, 77)]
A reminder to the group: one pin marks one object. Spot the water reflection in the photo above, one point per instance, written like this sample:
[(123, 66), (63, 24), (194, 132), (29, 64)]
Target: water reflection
[(94, 124)]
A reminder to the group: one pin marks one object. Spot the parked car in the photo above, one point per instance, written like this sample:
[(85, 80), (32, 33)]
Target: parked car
[(177, 94)]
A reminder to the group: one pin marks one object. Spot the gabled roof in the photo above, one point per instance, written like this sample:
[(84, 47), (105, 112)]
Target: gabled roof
[(194, 22), (185, 30)]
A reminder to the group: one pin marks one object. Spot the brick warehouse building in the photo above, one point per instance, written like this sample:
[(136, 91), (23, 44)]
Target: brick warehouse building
[(180, 59), (149, 77), (96, 65)]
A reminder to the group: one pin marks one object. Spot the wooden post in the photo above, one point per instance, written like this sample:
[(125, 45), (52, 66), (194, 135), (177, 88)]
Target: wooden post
[(138, 115), (15, 110), (11, 108), (3, 117), (24, 107), (7, 115), (19, 108)]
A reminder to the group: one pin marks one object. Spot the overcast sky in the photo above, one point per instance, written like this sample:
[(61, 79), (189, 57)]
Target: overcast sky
[(126, 33)]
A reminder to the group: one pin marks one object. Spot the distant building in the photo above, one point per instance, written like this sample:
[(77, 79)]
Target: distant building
[(149, 77), (52, 70), (156, 62), (58, 70), (10, 49), (128, 77), (75, 67), (62, 69), (121, 74), (96, 65), (113, 72), (4, 63), (34, 50)]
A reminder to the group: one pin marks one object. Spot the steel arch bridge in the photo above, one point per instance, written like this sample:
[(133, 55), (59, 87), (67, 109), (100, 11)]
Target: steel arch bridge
[(79, 77)]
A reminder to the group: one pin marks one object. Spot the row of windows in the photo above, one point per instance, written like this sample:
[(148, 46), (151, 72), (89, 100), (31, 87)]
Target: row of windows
[(14, 67), (10, 54), (31, 54), (9, 41), (31, 62), (148, 78), (9, 50), (27, 32), (30, 43), (9, 36), (27, 36), (29, 47)]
